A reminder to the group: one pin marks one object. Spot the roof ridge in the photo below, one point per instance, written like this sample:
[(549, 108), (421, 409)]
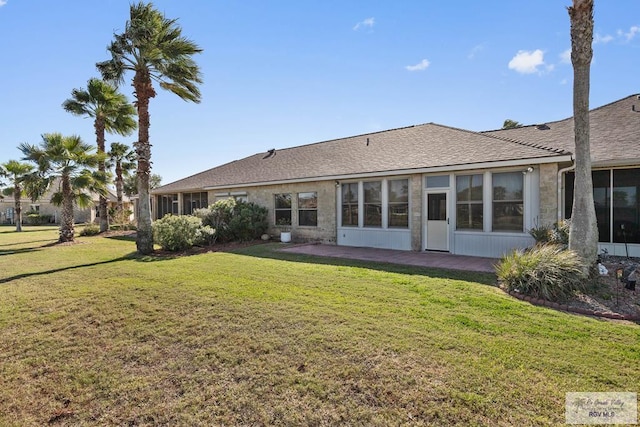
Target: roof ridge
[(570, 117), (348, 137), (515, 141), (531, 144)]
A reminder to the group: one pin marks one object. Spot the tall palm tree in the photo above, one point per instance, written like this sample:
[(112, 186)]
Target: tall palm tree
[(111, 112), (583, 234), (17, 174), (153, 48), (123, 160), (69, 163)]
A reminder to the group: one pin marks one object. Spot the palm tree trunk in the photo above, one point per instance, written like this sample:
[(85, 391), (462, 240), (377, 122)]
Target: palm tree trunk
[(102, 203), (66, 223), (119, 191), (18, 207), (144, 91), (583, 234)]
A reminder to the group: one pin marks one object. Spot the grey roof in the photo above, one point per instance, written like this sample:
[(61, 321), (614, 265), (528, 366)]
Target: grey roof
[(414, 147), (614, 133)]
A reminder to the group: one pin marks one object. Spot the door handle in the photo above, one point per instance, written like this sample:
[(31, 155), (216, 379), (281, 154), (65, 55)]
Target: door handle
[(447, 221)]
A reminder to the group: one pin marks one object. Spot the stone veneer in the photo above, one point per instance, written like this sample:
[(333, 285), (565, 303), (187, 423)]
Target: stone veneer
[(548, 194), (415, 206), (265, 196)]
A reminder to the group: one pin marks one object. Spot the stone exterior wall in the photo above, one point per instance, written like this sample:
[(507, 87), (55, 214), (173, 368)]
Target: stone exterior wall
[(325, 231), (416, 224), (548, 194)]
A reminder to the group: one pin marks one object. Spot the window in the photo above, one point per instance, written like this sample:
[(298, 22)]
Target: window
[(372, 203), (469, 202), (308, 209), (193, 201), (350, 204), (508, 205), (438, 181), (167, 204), (283, 209), (399, 203), (34, 208), (626, 207)]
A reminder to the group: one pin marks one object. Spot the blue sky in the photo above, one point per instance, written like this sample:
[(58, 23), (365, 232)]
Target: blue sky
[(285, 73)]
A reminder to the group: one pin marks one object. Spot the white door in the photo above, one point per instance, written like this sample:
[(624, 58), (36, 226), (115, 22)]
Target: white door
[(437, 221)]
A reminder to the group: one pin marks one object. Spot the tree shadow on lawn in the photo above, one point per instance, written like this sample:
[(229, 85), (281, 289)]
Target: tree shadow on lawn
[(131, 256), (271, 251)]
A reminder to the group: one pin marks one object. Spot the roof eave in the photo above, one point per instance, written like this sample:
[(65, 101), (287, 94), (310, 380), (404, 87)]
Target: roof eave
[(396, 172)]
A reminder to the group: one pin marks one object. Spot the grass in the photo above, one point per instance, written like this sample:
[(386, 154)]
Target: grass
[(91, 334)]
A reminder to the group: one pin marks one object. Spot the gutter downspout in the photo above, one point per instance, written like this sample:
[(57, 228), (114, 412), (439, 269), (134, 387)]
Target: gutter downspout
[(560, 188)]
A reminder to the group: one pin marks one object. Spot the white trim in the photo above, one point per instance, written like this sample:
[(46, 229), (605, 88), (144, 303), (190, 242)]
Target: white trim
[(425, 231), (380, 174)]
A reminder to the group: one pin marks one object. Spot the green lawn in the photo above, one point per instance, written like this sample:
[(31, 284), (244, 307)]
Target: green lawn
[(90, 334)]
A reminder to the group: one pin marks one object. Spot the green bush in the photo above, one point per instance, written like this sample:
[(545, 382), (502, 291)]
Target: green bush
[(235, 220), (35, 218), (544, 271), (556, 235), (178, 233), (90, 230)]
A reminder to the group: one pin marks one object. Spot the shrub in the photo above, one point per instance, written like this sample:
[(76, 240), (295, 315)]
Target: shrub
[(90, 230), (544, 271), (235, 220), (35, 218), (556, 235), (178, 233)]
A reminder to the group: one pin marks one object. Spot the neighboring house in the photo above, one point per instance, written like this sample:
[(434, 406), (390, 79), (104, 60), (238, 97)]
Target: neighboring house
[(433, 187), (51, 213)]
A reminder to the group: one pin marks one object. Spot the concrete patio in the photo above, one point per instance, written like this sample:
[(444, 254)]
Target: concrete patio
[(421, 259)]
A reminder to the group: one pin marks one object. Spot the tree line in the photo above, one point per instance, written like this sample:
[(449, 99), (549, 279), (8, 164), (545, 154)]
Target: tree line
[(153, 50)]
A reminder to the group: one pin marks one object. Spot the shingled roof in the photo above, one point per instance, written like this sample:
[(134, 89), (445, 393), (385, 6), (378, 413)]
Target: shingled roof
[(410, 148), (614, 133)]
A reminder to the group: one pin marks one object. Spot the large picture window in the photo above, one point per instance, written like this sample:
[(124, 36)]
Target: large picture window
[(308, 209), (508, 205), (283, 209), (399, 203), (469, 202), (626, 209), (350, 204), (193, 201), (622, 198), (372, 203)]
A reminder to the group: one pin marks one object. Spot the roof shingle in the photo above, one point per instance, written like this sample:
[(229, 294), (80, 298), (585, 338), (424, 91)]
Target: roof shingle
[(413, 147)]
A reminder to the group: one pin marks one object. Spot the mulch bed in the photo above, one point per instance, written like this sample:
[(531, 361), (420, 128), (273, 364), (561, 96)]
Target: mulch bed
[(609, 299)]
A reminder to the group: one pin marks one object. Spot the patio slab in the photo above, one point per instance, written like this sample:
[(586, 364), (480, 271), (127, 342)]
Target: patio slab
[(420, 259)]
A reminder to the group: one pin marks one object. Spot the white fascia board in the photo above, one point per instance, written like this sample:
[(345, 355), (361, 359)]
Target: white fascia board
[(398, 172), (630, 163)]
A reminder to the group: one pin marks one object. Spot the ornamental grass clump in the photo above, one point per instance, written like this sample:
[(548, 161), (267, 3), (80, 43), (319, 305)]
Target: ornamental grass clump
[(544, 271)]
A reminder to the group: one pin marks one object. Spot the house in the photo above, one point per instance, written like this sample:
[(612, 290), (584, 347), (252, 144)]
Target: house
[(432, 187), (48, 213)]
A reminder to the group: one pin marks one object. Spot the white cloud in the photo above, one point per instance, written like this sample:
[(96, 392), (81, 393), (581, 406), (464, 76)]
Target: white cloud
[(526, 62), (3, 2), (476, 50), (598, 39), (564, 81), (565, 57), (422, 65), (631, 34), (367, 23)]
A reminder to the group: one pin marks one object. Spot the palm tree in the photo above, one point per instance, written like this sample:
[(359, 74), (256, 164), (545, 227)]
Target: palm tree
[(123, 160), (70, 163), (583, 234), (153, 48), (18, 174), (111, 112)]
